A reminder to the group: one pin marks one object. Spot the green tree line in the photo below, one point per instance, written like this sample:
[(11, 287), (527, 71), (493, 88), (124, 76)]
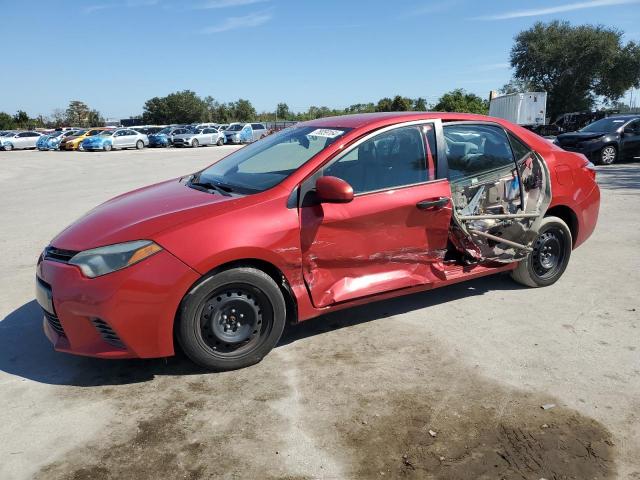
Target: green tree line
[(77, 114)]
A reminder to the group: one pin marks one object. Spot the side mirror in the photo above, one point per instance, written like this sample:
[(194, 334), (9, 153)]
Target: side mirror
[(333, 190)]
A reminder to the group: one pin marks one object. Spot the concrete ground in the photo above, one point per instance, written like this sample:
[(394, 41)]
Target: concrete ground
[(444, 384)]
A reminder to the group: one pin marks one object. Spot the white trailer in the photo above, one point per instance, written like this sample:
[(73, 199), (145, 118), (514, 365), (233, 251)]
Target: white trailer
[(529, 108)]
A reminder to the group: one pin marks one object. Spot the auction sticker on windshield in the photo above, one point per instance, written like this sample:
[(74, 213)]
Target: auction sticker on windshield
[(325, 132)]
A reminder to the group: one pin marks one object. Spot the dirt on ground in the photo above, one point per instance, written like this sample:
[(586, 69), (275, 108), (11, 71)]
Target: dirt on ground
[(415, 413)]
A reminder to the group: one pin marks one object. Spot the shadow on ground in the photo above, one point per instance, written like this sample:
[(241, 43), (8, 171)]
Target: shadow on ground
[(622, 176), (27, 353)]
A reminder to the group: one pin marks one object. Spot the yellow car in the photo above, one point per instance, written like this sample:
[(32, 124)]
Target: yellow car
[(73, 142)]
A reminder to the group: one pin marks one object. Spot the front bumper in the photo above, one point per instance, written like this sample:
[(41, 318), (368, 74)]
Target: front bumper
[(124, 314)]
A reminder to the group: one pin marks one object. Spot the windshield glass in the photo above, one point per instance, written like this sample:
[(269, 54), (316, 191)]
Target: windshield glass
[(75, 134), (261, 165), (166, 130), (605, 125), (235, 128)]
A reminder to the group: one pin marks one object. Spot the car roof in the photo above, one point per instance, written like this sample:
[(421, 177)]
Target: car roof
[(363, 119)]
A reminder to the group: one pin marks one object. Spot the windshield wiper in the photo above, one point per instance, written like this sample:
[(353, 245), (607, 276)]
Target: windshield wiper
[(208, 186)]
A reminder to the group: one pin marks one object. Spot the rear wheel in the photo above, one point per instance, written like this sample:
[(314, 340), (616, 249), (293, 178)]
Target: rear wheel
[(80, 148), (550, 256), (231, 319), (220, 142), (139, 144), (107, 147), (608, 155)]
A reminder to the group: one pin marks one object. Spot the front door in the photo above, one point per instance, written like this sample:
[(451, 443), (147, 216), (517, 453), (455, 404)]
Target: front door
[(393, 233), (631, 140)]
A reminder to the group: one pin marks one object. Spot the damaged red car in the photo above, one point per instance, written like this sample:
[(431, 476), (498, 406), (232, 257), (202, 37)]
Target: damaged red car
[(321, 216)]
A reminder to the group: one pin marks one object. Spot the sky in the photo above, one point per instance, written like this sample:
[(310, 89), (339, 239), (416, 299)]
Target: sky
[(116, 54)]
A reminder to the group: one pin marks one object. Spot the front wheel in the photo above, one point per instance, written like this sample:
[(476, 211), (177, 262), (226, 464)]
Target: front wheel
[(80, 148), (8, 147), (232, 319), (550, 256), (139, 144), (608, 155), (195, 144)]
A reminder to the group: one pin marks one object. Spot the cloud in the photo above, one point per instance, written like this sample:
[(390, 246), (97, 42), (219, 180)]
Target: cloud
[(233, 23), (569, 7), (210, 4), (127, 4), (96, 8)]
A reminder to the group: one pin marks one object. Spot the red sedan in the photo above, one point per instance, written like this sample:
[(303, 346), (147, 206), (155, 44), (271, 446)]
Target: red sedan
[(318, 217)]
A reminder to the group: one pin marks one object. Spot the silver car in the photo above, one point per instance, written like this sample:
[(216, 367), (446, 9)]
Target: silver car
[(245, 132), (204, 136), (19, 140), (116, 139)]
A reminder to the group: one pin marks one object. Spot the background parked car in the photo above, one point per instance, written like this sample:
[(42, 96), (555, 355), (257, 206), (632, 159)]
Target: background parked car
[(148, 130), (605, 141), (204, 136), (164, 138), (117, 139), (53, 140), (245, 133), (74, 142), (19, 141)]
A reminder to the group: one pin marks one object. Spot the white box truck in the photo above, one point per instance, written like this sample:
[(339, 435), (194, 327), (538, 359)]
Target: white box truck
[(529, 108)]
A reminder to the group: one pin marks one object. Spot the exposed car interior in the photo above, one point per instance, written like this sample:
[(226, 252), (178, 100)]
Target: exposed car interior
[(497, 187)]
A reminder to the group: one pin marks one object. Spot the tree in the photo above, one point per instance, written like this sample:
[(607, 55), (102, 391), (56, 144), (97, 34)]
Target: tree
[(575, 65), (401, 104), (361, 108), (58, 118), (516, 85), (21, 119), (177, 107), (420, 105), (7, 122), (283, 112), (459, 100), (94, 119), (242, 110), (77, 114), (384, 105)]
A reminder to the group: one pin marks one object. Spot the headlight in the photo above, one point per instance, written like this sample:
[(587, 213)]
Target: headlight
[(103, 260)]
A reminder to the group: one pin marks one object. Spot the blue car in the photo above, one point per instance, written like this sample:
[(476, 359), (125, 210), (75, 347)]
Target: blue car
[(53, 140), (164, 137)]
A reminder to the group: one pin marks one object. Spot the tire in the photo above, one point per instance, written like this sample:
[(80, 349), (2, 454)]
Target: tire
[(550, 256), (608, 155), (80, 148), (8, 147), (195, 143), (209, 328), (107, 147), (220, 142), (139, 145)]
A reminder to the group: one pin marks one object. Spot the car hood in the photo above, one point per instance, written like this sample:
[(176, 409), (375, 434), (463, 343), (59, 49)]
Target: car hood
[(141, 214), (581, 135)]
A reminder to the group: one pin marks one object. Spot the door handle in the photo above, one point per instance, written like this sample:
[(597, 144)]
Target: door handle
[(433, 203)]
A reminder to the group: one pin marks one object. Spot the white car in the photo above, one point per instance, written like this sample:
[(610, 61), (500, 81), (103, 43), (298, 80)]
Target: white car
[(115, 139), (19, 140), (204, 136), (245, 132)]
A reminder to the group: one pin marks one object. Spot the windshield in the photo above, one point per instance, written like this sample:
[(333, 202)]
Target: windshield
[(610, 124), (75, 134), (166, 130), (266, 163), (235, 128)]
